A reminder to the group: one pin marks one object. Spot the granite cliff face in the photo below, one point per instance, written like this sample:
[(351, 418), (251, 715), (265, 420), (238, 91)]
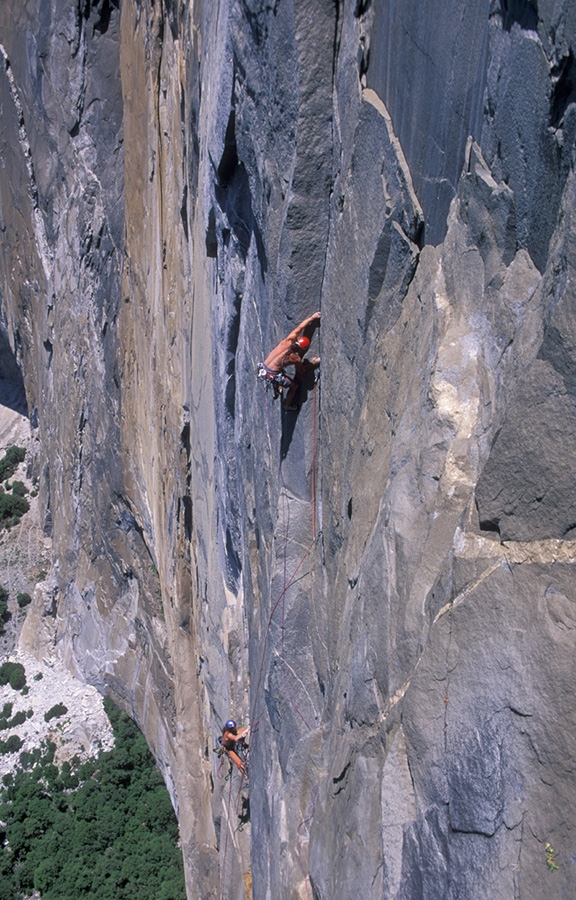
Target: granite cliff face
[(383, 582)]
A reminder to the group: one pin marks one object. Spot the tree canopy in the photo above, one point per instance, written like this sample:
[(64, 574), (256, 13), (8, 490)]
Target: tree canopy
[(103, 829)]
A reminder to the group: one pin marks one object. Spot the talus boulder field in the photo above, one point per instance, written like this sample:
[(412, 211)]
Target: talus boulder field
[(380, 581)]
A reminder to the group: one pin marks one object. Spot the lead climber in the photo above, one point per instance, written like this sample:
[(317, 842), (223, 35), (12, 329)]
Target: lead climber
[(289, 352), (233, 740)]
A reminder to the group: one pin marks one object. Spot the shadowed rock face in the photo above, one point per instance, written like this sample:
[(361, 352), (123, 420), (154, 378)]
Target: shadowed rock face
[(381, 582)]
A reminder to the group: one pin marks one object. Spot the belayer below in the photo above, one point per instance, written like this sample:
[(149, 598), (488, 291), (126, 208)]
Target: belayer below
[(233, 739), (289, 352)]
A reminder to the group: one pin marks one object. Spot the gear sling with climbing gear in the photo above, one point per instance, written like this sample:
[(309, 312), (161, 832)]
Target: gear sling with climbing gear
[(276, 380)]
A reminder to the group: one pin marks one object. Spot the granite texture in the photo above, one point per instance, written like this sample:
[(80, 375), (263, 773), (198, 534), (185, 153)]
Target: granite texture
[(381, 583)]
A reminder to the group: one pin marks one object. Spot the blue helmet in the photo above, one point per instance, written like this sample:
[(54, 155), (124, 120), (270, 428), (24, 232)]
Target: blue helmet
[(230, 724)]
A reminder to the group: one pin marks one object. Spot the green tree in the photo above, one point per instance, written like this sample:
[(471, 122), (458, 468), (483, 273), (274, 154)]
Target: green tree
[(103, 829), (12, 508), (55, 712), (19, 488), (3, 607), (13, 673), (12, 745), (10, 461)]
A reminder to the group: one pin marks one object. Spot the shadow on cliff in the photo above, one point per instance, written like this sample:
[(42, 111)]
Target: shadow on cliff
[(12, 392), (233, 195), (290, 417), (13, 396), (244, 813)]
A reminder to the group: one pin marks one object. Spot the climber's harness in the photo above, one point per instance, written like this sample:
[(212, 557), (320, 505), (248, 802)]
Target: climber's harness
[(275, 380), (239, 747)]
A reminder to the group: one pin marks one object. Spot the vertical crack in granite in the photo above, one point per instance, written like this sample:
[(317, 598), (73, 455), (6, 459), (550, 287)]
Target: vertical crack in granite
[(384, 579)]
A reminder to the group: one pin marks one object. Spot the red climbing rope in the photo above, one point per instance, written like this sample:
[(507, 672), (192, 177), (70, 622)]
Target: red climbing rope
[(280, 599), (313, 477), (313, 505), (224, 855), (271, 616), (288, 582)]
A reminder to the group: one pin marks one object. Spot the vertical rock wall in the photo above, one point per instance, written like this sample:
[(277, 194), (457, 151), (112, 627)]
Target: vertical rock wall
[(382, 582)]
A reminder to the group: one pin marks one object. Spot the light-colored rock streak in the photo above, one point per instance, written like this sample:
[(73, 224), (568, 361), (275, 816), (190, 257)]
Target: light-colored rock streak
[(303, 688), (45, 254), (472, 546), (454, 385), (370, 96), (455, 392), (398, 810), (468, 590)]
